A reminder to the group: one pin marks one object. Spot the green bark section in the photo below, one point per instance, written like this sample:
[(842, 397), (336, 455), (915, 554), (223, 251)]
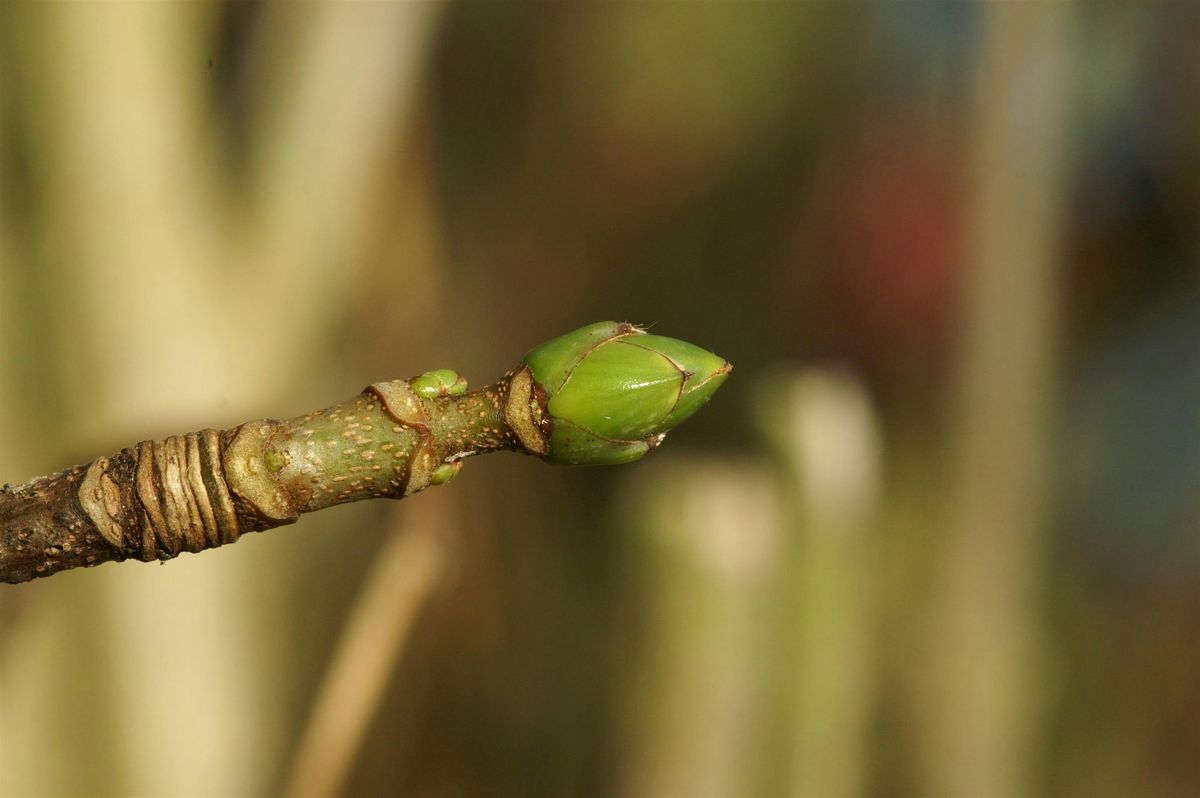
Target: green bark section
[(158, 499)]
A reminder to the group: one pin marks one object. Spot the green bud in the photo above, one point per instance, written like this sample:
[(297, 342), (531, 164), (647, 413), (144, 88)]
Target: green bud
[(614, 391), (445, 472), (442, 382)]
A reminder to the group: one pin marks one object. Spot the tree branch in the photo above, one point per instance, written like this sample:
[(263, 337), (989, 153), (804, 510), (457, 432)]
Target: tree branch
[(606, 393), (192, 492)]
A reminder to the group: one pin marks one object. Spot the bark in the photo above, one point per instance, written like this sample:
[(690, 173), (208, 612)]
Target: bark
[(187, 493)]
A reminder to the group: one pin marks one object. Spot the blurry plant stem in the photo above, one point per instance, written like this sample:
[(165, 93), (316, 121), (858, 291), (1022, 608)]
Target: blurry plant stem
[(710, 532), (978, 734), (825, 427), (402, 576), (202, 490)]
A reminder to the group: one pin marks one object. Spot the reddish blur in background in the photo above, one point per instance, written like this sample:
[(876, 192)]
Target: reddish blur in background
[(938, 535)]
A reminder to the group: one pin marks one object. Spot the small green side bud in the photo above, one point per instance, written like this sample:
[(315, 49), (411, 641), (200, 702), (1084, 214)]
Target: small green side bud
[(614, 392), (445, 472), (442, 382), (275, 460)]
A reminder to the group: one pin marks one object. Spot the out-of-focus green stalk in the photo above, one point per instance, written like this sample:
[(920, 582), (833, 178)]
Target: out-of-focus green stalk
[(708, 539), (977, 714), (824, 430)]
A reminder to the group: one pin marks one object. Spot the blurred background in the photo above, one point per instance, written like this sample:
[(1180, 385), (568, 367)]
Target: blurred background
[(937, 536)]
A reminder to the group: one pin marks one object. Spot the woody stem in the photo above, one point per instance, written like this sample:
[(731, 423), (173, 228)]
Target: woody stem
[(191, 492)]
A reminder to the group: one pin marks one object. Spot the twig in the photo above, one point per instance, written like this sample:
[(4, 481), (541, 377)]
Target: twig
[(192, 492), (606, 393)]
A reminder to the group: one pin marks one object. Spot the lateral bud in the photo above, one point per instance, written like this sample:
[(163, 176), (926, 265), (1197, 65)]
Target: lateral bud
[(251, 476)]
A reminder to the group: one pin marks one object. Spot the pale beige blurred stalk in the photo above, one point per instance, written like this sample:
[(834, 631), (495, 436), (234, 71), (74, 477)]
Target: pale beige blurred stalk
[(176, 302), (823, 426), (406, 570), (708, 539), (9, 384), (980, 690), (9, 456)]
